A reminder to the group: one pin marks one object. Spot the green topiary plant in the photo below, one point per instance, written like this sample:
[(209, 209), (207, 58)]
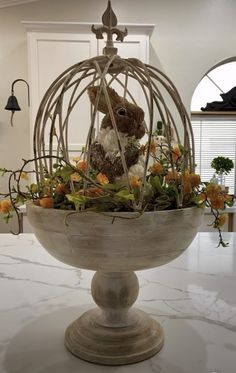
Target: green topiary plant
[(222, 165)]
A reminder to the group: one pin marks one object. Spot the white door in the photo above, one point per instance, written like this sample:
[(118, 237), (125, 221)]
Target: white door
[(50, 53)]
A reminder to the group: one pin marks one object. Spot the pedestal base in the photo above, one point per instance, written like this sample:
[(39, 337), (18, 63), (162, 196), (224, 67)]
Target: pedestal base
[(105, 345)]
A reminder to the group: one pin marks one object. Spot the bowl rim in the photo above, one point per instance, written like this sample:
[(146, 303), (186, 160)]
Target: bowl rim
[(30, 204)]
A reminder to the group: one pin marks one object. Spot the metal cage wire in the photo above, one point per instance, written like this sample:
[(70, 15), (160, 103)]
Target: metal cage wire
[(53, 117)]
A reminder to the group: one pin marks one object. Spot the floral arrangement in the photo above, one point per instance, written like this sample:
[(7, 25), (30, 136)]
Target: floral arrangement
[(76, 185)]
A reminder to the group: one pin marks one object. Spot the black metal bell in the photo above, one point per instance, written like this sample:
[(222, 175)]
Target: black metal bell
[(12, 104)]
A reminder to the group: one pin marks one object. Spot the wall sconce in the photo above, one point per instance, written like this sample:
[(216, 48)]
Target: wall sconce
[(12, 103)]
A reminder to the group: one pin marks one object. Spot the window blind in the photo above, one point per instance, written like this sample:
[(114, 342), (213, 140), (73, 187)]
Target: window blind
[(213, 138)]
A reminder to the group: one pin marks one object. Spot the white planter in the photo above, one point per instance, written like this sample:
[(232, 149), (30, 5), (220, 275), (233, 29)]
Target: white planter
[(114, 245)]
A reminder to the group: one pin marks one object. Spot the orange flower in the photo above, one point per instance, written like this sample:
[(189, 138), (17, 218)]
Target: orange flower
[(195, 179), (102, 179), (156, 168), (202, 197), (36, 202), (24, 176), (153, 148), (222, 219), (135, 182), (5, 206), (47, 190), (75, 177), (175, 153), (61, 189), (187, 175), (75, 159), (216, 196), (187, 187), (46, 202), (82, 166), (212, 190), (217, 202), (171, 176)]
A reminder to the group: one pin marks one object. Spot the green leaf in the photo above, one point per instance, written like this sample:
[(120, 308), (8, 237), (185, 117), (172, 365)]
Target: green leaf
[(56, 165), (194, 199), (33, 188), (66, 172), (156, 184), (77, 199), (7, 217), (20, 199), (222, 164), (229, 203), (113, 187), (182, 149), (124, 194), (162, 199), (3, 171), (148, 191)]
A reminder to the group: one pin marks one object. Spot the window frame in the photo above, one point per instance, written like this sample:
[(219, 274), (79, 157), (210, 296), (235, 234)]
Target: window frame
[(210, 118)]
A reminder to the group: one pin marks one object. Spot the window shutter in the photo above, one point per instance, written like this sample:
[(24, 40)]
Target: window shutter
[(213, 138)]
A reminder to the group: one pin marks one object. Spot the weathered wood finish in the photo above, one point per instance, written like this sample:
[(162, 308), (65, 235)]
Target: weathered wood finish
[(114, 245), (96, 343), (114, 334), (115, 241)]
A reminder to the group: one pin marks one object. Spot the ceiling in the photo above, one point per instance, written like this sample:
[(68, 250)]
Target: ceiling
[(8, 3)]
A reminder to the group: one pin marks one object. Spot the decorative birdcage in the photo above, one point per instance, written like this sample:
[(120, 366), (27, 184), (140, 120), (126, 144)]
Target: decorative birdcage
[(101, 86)]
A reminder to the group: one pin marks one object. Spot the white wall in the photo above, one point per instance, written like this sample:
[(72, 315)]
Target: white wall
[(190, 37)]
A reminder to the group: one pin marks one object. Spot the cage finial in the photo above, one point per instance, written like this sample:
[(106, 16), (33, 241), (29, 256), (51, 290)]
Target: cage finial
[(109, 22)]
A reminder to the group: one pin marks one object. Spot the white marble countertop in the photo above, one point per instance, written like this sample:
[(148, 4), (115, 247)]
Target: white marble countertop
[(194, 297)]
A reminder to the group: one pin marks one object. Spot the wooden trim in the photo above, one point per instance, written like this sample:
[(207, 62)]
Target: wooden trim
[(213, 115), (207, 113), (83, 27), (9, 3)]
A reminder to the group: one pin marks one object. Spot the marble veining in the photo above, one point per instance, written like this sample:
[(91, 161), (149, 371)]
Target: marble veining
[(193, 297)]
